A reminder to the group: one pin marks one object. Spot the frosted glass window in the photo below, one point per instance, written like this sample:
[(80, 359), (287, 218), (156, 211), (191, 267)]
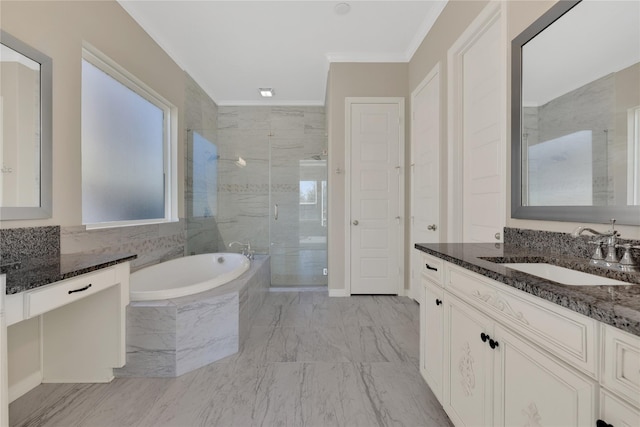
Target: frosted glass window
[(560, 171), (123, 152), (205, 176)]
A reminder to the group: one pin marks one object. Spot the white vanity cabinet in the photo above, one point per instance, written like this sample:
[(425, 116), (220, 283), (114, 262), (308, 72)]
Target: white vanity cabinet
[(68, 331), (468, 364), (621, 377), (510, 358), (4, 412), (432, 322)]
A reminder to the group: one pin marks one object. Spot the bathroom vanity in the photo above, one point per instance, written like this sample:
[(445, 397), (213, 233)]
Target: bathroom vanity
[(501, 347), (63, 320)]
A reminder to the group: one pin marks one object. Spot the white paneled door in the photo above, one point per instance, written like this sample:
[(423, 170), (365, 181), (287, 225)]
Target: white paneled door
[(425, 171), (477, 156), (374, 134)]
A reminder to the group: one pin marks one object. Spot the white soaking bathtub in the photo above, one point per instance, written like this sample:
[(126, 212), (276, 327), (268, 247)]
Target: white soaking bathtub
[(170, 337), (186, 276)]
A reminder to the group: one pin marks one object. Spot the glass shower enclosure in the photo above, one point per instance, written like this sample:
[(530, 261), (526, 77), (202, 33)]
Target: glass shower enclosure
[(269, 170)]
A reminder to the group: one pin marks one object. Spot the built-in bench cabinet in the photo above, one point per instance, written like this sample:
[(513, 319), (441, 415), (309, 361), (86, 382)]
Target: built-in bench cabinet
[(497, 356), (71, 331)]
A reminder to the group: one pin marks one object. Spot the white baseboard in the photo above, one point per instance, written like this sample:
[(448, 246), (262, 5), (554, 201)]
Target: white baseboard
[(24, 386), (338, 293)]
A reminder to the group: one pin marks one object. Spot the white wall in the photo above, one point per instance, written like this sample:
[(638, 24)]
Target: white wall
[(58, 29)]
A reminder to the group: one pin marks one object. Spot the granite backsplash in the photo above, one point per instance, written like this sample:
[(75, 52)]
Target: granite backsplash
[(559, 243), (29, 243)]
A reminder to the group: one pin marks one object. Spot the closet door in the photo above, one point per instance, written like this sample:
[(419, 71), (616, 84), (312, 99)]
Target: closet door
[(425, 171), (477, 79), (375, 141)]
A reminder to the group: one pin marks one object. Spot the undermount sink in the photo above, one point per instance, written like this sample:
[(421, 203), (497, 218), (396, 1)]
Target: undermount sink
[(563, 275)]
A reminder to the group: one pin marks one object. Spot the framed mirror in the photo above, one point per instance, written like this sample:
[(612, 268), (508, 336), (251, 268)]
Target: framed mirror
[(25, 131), (575, 101)]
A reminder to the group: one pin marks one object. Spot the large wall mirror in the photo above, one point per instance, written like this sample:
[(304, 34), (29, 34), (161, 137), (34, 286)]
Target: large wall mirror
[(25, 131), (576, 114)]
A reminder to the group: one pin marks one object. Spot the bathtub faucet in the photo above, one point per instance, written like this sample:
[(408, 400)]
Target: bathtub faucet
[(246, 248)]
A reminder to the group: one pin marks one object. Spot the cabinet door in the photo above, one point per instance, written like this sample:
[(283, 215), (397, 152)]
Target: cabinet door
[(468, 365), (4, 398), (616, 412), (432, 339), (534, 389)]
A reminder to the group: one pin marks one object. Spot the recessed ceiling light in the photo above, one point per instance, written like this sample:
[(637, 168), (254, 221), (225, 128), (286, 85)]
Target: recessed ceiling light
[(266, 92), (342, 8)]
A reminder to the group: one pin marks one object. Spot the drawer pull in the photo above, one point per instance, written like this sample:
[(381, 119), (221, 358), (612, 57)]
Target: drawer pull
[(493, 344), (601, 423), (430, 268), (81, 289), (438, 301), (484, 337)]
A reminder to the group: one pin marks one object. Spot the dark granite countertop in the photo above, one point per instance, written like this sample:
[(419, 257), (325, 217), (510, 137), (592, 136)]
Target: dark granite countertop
[(617, 306), (26, 274)]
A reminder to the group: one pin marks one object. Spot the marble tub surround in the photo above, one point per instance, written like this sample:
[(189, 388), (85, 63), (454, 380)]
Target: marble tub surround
[(618, 306), (168, 338)]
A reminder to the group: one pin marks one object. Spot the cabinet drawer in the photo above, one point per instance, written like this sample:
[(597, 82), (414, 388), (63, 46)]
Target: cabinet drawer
[(433, 269), (621, 363), (52, 296), (560, 331)]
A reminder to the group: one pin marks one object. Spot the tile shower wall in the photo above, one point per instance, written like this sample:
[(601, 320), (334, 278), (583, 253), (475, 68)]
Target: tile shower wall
[(265, 153)]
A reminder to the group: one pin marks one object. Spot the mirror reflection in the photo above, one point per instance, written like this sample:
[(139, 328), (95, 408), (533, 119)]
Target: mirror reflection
[(581, 108), (20, 136), (25, 130)]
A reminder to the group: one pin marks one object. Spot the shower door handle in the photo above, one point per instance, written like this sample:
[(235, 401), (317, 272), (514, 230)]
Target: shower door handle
[(275, 212)]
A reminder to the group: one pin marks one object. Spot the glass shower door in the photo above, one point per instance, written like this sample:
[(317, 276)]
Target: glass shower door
[(298, 220)]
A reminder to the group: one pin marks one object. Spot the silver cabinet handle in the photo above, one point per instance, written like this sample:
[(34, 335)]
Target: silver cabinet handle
[(355, 222), (275, 212), (497, 236), (432, 227)]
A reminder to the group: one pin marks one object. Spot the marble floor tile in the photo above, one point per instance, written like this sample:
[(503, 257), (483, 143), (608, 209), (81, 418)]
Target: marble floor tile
[(309, 360)]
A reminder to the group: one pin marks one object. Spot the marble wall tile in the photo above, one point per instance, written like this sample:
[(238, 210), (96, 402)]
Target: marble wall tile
[(152, 243)]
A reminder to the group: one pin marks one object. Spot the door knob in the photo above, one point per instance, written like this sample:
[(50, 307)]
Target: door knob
[(432, 227), (355, 222)]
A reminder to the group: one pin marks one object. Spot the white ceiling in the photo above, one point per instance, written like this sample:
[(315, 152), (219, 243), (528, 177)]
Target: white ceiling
[(232, 48)]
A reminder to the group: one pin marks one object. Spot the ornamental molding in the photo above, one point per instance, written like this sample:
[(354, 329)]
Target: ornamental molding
[(493, 298), (465, 368), (532, 416)]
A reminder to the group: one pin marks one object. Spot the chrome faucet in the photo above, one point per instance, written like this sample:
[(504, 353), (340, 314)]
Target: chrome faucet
[(246, 249), (611, 260)]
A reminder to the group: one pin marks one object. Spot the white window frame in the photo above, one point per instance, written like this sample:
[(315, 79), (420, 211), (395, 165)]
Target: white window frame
[(633, 154), (170, 136)]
